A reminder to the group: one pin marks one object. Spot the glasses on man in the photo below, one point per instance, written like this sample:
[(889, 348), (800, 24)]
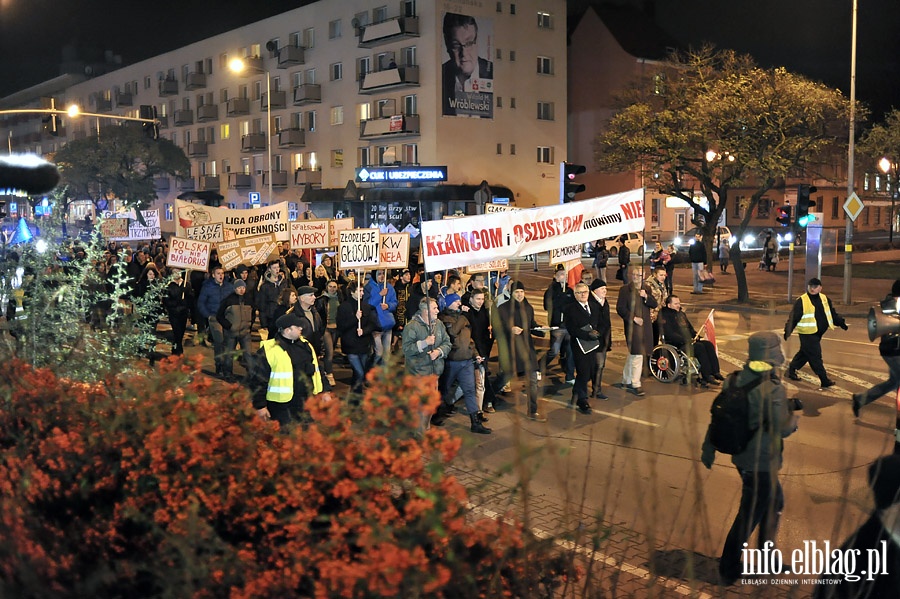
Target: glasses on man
[(581, 292), (456, 47)]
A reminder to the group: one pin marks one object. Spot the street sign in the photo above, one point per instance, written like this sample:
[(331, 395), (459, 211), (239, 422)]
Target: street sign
[(853, 206)]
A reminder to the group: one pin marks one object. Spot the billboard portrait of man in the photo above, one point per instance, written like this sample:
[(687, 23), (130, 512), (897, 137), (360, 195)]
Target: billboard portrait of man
[(468, 79)]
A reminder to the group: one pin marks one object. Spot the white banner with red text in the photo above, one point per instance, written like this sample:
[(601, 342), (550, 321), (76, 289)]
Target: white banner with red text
[(454, 242)]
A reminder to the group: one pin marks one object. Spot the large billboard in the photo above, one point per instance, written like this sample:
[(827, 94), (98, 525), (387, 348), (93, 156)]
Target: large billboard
[(468, 74)]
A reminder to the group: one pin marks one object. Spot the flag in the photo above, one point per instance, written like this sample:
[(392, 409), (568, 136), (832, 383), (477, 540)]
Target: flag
[(709, 328), (574, 275)]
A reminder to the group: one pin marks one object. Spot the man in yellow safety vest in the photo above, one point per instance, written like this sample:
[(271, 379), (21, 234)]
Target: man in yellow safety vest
[(812, 316)]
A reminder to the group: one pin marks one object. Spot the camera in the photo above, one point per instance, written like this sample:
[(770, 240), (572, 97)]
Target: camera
[(794, 404)]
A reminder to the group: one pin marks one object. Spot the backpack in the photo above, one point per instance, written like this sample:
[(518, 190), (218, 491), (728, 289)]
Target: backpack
[(729, 428)]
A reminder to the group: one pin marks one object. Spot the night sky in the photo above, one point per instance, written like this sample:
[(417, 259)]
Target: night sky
[(811, 37)]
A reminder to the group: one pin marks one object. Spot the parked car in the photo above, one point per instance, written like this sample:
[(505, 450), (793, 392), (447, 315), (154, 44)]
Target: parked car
[(633, 241), (683, 241)]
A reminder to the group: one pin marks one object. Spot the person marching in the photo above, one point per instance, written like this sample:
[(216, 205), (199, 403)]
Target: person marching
[(812, 316)]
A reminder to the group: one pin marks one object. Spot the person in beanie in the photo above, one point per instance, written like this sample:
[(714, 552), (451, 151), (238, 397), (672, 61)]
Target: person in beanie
[(235, 315), (356, 321), (879, 534), (812, 316), (889, 348), (285, 372), (762, 499)]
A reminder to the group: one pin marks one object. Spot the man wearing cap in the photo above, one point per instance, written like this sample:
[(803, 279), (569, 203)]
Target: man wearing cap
[(285, 372), (762, 500), (514, 324), (889, 348), (812, 316), (459, 365), (383, 298), (315, 332), (633, 306), (235, 316), (582, 319)]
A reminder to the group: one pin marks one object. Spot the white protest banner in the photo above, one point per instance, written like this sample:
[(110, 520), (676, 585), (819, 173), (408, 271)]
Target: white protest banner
[(335, 226), (188, 253), (236, 224), (136, 230), (211, 232), (310, 234), (565, 254), (488, 266), (491, 208), (359, 248), (249, 250), (394, 250), (454, 242)]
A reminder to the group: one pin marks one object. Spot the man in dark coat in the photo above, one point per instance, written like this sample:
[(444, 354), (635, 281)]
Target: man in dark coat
[(514, 324), (583, 323), (633, 306), (697, 255), (813, 316), (678, 331), (356, 321), (556, 298)]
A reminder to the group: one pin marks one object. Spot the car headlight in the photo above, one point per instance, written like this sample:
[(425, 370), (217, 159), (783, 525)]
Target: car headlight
[(748, 240), (677, 241), (788, 237)]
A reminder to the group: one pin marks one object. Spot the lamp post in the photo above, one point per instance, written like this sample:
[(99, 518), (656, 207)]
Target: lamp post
[(848, 240), (237, 66), (890, 169)]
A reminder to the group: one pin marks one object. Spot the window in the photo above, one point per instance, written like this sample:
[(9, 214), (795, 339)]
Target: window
[(311, 120), (245, 128), (363, 112), (337, 115), (410, 104), (337, 71), (545, 111), (363, 66), (210, 135), (512, 8), (739, 206), (148, 82), (310, 76), (544, 65), (762, 210), (512, 56), (223, 95), (276, 163), (276, 125), (334, 29), (834, 207), (223, 61), (499, 149), (410, 153), (499, 54), (245, 166), (257, 90), (254, 50), (297, 79), (545, 154), (298, 161), (364, 156), (337, 158), (866, 216), (185, 71), (512, 149), (243, 91), (544, 20), (379, 14), (877, 215), (387, 155), (309, 38), (313, 161), (512, 103), (361, 18), (295, 39), (296, 120), (409, 55), (499, 101), (226, 166), (499, 7)]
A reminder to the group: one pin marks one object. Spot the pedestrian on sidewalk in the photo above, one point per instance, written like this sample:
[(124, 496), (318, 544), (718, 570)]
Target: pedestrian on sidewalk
[(813, 315), (724, 255), (698, 258), (889, 348)]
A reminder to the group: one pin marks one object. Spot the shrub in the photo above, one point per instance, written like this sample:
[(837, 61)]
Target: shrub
[(166, 486)]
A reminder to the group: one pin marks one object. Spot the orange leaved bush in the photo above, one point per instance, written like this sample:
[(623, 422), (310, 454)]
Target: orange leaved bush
[(163, 485)]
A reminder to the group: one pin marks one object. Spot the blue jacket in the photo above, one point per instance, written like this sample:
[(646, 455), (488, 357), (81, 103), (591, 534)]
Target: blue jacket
[(212, 295), (373, 297)]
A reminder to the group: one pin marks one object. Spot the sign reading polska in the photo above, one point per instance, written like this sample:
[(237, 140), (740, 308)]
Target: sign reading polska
[(359, 248), (188, 253), (454, 242)]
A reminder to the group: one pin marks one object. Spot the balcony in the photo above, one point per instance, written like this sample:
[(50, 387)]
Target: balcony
[(197, 149), (187, 184), (239, 180), (253, 142), (290, 56), (104, 105), (124, 99), (237, 107), (253, 65), (209, 182), (391, 78), (183, 117), (195, 81), (163, 122), (207, 112), (388, 31), (291, 138), (279, 179), (168, 87), (398, 125), (161, 183), (279, 100), (304, 176), (308, 93)]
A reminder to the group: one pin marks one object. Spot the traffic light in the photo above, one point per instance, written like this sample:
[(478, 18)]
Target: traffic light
[(151, 130), (784, 216), (803, 204), (567, 185)]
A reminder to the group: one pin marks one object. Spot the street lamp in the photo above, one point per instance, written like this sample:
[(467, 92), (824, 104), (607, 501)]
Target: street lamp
[(238, 66), (890, 170)]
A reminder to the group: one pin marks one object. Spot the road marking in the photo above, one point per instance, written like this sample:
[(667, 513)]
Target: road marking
[(597, 556), (612, 414)]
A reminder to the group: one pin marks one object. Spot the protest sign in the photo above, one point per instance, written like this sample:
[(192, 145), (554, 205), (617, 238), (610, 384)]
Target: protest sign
[(135, 230), (488, 266), (394, 250), (192, 220), (188, 253), (310, 234), (359, 248), (335, 226)]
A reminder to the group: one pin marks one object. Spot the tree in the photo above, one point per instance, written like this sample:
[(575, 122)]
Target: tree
[(121, 163), (710, 121)]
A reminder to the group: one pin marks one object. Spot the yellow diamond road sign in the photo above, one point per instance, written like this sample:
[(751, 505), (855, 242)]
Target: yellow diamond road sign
[(853, 206)]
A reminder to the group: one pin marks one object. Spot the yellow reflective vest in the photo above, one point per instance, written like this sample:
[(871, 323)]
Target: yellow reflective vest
[(807, 324), (281, 376)]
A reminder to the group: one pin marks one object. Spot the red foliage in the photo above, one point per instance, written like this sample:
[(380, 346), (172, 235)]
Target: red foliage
[(148, 486)]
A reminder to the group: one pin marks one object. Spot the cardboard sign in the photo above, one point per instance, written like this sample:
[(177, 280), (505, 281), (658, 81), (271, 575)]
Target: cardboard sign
[(359, 248), (565, 254), (335, 226), (188, 253), (134, 229), (310, 234), (394, 250), (211, 232), (114, 228), (488, 266), (249, 251)]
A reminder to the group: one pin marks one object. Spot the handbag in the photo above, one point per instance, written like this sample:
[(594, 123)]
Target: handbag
[(620, 274)]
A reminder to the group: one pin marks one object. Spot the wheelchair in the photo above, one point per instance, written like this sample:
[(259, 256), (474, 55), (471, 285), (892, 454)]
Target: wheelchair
[(669, 364)]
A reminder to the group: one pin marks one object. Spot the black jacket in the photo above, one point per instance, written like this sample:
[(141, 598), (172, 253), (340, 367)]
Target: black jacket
[(676, 327), (580, 324), (351, 343), (556, 298), (481, 333)]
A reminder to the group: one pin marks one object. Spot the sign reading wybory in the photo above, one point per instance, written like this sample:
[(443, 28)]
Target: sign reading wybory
[(208, 223), (313, 234), (454, 242)]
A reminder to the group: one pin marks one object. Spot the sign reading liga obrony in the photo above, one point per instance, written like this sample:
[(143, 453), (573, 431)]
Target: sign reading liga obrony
[(208, 223), (455, 242)]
